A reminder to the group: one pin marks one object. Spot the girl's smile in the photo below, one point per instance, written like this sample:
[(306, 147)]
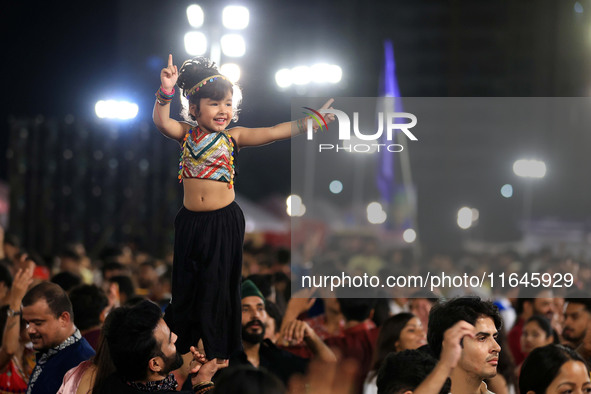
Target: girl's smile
[(214, 115)]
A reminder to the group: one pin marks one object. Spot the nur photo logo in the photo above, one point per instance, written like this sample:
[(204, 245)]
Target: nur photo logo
[(386, 125)]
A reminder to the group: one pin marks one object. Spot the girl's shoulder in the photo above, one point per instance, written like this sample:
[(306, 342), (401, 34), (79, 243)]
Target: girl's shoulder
[(186, 126)]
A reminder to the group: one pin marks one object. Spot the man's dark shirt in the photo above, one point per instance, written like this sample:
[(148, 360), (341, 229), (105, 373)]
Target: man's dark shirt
[(50, 377), (280, 363), (114, 384)]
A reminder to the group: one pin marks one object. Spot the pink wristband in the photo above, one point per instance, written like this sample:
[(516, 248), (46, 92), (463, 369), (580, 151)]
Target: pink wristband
[(165, 92)]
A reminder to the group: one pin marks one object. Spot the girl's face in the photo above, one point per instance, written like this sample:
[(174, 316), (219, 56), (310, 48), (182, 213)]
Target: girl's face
[(412, 336), (572, 378), (533, 337), (214, 115)]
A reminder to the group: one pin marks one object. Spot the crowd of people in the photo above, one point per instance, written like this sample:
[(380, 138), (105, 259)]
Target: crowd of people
[(75, 324)]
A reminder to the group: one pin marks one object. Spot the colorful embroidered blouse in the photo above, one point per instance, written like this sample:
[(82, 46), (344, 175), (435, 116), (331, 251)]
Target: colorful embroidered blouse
[(207, 156)]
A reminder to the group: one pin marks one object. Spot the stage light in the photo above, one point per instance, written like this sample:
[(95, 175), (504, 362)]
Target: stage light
[(529, 168), (195, 43), (300, 75), (231, 71), (233, 45), (409, 235), (283, 78), (318, 73), (195, 15), (465, 218), (507, 191), (295, 206), (335, 187), (335, 74), (375, 213), (235, 17), (321, 72), (113, 109)]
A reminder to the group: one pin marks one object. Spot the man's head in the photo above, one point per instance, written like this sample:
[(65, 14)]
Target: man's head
[(140, 342), (254, 315), (402, 372), (124, 286), (89, 303), (576, 316), (147, 275), (356, 304), (47, 311), (535, 301), (479, 354)]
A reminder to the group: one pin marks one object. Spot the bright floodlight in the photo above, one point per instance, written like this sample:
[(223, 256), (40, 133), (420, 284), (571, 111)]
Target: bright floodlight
[(409, 235), (465, 218), (195, 15), (375, 213), (507, 191), (283, 78), (321, 72), (335, 74), (335, 187), (300, 75), (529, 168), (233, 45), (195, 43), (235, 17), (295, 207), (232, 71), (112, 109)]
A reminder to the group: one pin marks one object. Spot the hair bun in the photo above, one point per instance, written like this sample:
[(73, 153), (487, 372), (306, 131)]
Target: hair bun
[(195, 70)]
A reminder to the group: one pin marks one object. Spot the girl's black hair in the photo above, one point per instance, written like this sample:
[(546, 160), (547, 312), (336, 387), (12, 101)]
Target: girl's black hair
[(545, 326), (196, 70), (542, 366), (389, 335)]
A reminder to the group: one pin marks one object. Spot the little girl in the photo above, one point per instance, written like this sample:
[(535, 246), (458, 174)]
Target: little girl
[(209, 228)]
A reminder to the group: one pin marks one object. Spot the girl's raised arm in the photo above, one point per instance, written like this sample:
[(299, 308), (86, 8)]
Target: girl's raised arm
[(169, 127), (265, 135)]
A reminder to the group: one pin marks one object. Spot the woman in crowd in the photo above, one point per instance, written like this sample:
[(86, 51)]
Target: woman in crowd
[(403, 331), (554, 369), (16, 359)]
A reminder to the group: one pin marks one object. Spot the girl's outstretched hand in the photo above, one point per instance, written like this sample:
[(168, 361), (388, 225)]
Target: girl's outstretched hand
[(328, 117), (169, 75)]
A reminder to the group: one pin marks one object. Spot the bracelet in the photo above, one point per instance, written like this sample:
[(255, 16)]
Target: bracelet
[(164, 98), (171, 93), (301, 125), (13, 312), (203, 387)]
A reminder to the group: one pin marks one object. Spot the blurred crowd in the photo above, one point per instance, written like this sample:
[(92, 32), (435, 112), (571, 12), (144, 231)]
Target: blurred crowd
[(76, 323)]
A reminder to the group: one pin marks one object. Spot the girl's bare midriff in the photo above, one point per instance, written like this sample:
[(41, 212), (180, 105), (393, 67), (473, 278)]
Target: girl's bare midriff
[(206, 194)]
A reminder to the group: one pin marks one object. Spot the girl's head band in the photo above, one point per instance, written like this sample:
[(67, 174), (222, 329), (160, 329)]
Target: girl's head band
[(204, 82)]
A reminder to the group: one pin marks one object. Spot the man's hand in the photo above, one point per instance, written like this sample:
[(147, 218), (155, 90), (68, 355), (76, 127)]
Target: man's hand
[(22, 281), (296, 331), (207, 370), (451, 350)]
